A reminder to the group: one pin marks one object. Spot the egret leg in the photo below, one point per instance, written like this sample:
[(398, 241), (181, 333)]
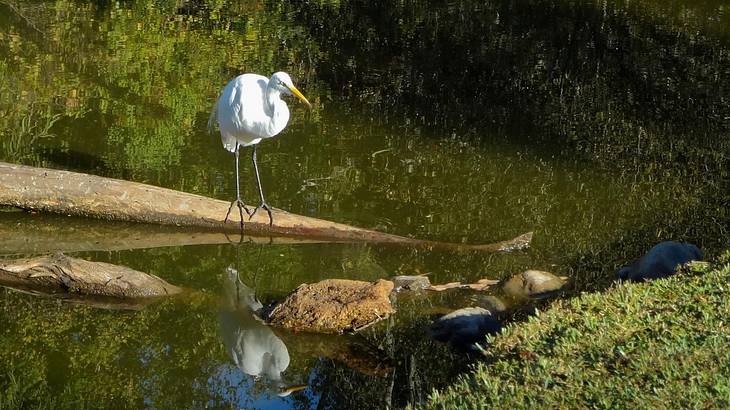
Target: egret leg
[(237, 202), (263, 204)]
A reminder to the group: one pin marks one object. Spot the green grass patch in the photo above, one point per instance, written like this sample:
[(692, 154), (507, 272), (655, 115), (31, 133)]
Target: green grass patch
[(661, 344)]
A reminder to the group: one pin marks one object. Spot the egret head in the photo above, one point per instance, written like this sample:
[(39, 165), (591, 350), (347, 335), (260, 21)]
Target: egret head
[(283, 83)]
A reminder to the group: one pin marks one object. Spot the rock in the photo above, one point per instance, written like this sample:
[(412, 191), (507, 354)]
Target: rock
[(661, 261), (492, 303), (404, 282), (532, 283), (334, 306), (464, 327)]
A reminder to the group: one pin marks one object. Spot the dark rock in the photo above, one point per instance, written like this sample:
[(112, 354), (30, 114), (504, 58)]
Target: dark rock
[(533, 283), (464, 327), (334, 306), (661, 261)]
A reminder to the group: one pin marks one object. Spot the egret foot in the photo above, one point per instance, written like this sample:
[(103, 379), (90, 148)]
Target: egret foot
[(265, 206), (241, 207)]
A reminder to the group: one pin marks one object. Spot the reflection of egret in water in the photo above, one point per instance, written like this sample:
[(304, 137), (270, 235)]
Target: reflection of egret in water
[(253, 346)]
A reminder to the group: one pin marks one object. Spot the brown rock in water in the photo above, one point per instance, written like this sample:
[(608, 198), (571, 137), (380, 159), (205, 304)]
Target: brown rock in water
[(533, 283), (334, 306)]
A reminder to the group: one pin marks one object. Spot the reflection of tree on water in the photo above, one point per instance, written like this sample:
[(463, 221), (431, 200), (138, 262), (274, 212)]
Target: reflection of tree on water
[(253, 346)]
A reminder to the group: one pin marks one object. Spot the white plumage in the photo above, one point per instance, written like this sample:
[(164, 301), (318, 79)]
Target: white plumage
[(253, 346), (251, 109)]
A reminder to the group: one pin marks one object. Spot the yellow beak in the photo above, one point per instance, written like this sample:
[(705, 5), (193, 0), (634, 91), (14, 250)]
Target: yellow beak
[(299, 95)]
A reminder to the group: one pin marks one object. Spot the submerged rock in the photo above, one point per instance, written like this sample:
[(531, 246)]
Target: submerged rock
[(533, 283), (405, 282), (464, 327), (492, 303), (661, 261), (333, 306)]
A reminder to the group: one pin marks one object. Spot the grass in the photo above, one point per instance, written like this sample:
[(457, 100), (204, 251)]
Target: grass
[(661, 344)]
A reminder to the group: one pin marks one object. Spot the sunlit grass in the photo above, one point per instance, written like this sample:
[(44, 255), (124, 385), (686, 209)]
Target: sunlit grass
[(652, 345)]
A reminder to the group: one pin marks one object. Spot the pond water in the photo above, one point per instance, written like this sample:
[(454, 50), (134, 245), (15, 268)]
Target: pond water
[(601, 126)]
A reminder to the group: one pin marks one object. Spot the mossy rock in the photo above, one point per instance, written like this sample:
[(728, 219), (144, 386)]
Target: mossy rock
[(334, 306), (533, 284)]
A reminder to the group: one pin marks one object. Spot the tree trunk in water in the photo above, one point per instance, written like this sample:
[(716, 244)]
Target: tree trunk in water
[(61, 274), (71, 193), (24, 235)]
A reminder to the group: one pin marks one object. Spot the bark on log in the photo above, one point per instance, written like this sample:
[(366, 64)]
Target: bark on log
[(71, 193), (62, 274)]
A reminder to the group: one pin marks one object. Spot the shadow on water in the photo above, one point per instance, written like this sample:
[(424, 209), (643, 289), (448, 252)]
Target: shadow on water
[(602, 126)]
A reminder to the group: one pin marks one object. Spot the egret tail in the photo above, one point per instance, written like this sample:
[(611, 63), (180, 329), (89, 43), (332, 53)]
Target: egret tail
[(213, 117)]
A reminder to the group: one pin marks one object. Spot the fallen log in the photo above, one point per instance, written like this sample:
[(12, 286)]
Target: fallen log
[(72, 193), (62, 274), (480, 285)]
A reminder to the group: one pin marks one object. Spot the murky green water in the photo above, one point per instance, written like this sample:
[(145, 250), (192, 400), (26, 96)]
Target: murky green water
[(601, 126)]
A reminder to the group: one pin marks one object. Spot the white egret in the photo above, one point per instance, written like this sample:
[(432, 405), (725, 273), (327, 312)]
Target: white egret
[(249, 110), (253, 346)]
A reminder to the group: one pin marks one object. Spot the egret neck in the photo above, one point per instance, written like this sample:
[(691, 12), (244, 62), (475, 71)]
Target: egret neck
[(277, 109)]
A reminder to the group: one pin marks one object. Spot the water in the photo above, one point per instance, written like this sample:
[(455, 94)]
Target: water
[(602, 127)]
